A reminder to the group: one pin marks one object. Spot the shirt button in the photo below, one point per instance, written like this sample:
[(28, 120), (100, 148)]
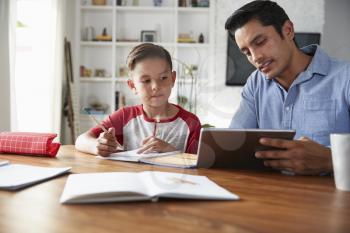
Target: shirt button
[(287, 108)]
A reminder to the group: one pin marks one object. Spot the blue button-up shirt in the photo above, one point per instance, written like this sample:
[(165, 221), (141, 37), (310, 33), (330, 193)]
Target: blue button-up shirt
[(316, 104)]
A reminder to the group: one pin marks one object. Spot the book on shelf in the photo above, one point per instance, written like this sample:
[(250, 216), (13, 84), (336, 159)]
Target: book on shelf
[(17, 176), (140, 186), (169, 159)]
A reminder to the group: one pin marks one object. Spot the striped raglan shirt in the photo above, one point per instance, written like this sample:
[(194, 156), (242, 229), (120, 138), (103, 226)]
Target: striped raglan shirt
[(132, 126)]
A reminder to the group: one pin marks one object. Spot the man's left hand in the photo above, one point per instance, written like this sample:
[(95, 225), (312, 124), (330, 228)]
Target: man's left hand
[(303, 156)]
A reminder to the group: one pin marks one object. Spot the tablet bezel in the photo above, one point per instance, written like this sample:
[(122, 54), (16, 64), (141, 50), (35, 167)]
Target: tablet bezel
[(217, 150)]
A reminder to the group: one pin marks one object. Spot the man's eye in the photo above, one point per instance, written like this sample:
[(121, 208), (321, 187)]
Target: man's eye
[(164, 77), (247, 53), (145, 81), (260, 42)]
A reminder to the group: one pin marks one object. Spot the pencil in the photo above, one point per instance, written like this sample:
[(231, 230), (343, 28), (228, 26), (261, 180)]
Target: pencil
[(98, 123), (156, 120), (100, 126)]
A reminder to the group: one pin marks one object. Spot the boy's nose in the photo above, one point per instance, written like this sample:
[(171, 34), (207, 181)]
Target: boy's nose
[(155, 86)]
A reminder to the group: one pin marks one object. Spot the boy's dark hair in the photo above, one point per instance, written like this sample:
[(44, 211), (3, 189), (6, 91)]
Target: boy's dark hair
[(147, 50), (267, 12)]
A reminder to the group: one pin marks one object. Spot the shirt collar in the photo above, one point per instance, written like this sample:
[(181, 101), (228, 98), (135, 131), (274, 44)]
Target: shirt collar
[(320, 62)]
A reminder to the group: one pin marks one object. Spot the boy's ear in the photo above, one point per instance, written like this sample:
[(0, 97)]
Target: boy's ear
[(173, 77), (131, 85)]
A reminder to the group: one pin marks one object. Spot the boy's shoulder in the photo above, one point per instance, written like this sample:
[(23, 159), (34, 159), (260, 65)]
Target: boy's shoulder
[(134, 109), (183, 113), (127, 113)]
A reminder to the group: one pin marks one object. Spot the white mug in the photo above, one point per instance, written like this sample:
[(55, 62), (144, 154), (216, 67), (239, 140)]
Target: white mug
[(340, 145)]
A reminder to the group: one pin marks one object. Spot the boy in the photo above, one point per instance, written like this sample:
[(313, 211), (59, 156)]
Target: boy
[(156, 124)]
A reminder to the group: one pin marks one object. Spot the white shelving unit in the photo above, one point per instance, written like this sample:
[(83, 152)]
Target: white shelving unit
[(124, 24)]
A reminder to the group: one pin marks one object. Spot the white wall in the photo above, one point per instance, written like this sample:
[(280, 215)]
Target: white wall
[(308, 16), (5, 123), (336, 33)]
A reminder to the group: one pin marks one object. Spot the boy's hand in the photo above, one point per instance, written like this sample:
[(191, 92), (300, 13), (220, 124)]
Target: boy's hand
[(153, 144), (107, 143)]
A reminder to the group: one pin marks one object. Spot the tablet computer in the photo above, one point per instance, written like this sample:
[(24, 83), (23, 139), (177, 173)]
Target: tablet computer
[(235, 148)]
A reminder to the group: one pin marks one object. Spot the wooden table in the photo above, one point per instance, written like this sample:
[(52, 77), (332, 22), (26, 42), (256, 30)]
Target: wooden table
[(270, 202)]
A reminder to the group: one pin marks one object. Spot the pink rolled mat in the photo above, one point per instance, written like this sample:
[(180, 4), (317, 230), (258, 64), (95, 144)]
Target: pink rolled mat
[(26, 143)]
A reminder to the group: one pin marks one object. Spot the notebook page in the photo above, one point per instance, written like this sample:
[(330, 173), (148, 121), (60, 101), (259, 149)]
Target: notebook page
[(180, 185), (14, 176), (104, 186)]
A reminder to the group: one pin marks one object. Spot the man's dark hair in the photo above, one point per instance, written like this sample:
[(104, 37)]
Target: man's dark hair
[(267, 12)]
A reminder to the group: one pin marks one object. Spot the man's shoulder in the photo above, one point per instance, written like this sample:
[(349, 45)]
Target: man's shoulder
[(256, 80)]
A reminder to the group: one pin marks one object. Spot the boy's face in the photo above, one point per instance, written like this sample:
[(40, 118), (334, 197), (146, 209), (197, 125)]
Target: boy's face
[(152, 80), (265, 48)]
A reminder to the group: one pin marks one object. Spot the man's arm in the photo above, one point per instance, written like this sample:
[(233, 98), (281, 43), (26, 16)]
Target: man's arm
[(303, 156), (245, 116)]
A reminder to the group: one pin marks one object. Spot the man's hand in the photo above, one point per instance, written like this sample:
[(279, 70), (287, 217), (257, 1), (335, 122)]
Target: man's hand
[(107, 143), (302, 156), (153, 144)]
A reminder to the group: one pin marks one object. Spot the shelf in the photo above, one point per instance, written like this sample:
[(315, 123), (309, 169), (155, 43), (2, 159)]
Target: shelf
[(193, 45), (127, 22), (127, 44), (96, 43), (193, 9), (86, 117), (133, 44), (103, 79), (95, 79), (97, 8), (145, 8), (121, 79)]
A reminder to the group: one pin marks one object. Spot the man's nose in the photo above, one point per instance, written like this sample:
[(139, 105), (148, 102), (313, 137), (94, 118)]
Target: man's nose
[(257, 56)]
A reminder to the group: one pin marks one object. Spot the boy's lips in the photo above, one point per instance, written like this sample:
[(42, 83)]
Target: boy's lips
[(156, 96)]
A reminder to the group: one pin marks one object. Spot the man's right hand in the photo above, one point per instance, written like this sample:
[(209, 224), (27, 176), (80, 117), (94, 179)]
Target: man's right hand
[(107, 143)]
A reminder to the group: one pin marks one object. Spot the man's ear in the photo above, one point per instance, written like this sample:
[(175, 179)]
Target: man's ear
[(131, 85), (288, 30), (173, 77)]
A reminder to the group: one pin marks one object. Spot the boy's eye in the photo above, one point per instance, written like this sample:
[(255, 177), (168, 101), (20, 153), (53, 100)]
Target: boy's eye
[(164, 77), (145, 81)]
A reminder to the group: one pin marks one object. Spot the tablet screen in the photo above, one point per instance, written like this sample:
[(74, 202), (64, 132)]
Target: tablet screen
[(233, 148)]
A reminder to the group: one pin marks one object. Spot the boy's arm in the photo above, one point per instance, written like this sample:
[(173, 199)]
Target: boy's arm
[(87, 142), (193, 139)]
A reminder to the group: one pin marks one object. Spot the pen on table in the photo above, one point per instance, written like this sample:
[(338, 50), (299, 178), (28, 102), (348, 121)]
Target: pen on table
[(156, 120), (101, 126)]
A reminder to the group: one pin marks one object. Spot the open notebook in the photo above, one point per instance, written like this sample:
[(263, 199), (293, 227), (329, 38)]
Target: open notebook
[(171, 159), (16, 176), (138, 186)]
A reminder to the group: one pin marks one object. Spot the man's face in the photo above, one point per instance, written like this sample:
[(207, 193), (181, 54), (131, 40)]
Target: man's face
[(265, 48), (153, 80)]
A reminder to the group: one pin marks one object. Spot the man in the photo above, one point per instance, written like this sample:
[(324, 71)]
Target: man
[(296, 89)]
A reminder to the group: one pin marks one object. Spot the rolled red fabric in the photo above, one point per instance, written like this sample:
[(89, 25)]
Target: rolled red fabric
[(29, 143)]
